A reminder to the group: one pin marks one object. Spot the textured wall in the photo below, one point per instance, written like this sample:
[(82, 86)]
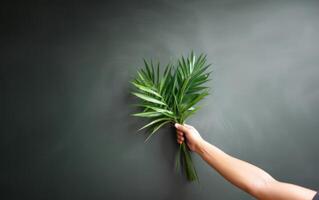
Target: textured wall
[(66, 131)]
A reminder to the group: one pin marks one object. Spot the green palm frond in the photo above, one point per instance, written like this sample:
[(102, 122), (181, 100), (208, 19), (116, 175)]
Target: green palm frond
[(172, 96)]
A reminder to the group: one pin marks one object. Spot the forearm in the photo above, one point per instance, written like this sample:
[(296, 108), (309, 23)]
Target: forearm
[(240, 173), (246, 176), (250, 178)]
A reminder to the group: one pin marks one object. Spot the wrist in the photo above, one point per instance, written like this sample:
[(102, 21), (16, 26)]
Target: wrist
[(200, 146)]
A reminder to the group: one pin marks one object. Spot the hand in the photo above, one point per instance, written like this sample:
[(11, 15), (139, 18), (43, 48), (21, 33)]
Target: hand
[(193, 138)]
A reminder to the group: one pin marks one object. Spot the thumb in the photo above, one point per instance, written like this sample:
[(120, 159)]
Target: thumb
[(181, 128)]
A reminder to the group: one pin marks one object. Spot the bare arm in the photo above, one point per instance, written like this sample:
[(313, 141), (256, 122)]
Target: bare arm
[(246, 176)]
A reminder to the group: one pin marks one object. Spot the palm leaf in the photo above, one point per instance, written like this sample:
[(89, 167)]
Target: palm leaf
[(158, 126), (154, 122), (149, 98)]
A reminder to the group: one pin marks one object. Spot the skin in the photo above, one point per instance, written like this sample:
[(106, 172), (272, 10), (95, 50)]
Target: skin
[(243, 175)]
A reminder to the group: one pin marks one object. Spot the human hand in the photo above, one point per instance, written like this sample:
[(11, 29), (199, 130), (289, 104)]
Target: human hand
[(193, 138)]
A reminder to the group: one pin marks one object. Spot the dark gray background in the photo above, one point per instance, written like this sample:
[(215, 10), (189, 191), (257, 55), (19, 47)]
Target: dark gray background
[(66, 132)]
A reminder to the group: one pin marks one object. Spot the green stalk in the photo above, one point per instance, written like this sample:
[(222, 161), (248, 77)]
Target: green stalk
[(188, 163), (184, 157)]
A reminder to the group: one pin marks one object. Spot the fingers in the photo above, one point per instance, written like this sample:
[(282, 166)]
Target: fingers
[(181, 127), (180, 137), (180, 140)]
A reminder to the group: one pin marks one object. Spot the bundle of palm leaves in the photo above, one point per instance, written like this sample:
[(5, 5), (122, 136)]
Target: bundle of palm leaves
[(170, 97)]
